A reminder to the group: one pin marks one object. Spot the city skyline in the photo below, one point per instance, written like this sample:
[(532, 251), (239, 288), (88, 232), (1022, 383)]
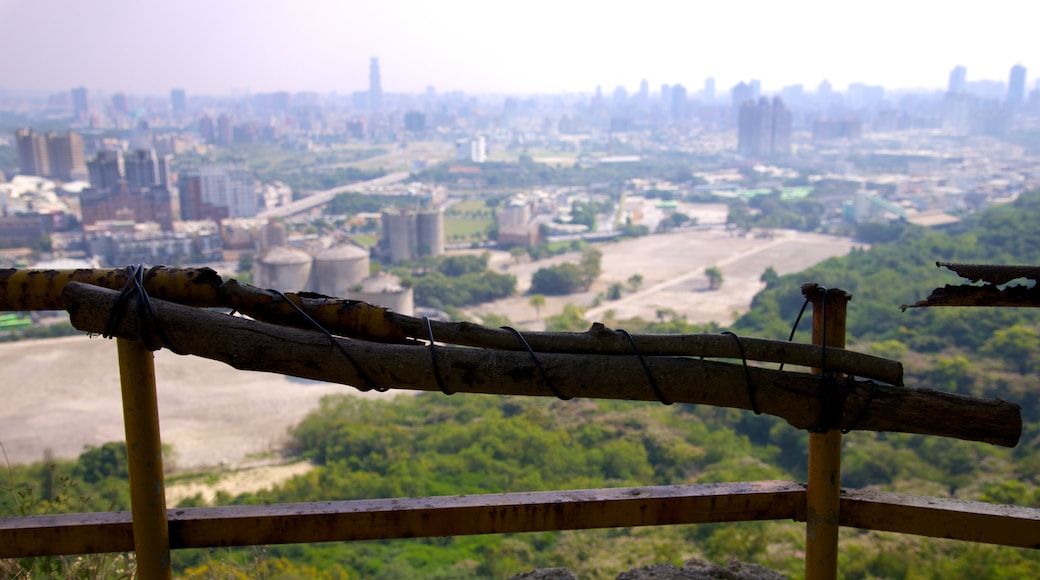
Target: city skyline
[(324, 46)]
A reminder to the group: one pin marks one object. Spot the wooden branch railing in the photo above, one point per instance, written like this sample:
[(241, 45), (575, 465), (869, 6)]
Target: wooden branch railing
[(384, 349), (252, 345)]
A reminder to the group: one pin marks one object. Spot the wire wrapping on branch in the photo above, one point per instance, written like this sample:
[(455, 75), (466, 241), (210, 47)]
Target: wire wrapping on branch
[(151, 332), (370, 385), (537, 363)]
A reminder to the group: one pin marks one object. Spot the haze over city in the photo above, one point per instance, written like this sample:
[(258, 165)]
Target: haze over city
[(240, 46)]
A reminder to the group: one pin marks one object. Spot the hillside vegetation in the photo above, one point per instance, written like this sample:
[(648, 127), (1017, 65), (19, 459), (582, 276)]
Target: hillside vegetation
[(465, 444)]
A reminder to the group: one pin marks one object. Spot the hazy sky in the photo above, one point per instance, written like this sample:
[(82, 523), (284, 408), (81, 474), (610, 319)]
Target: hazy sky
[(533, 46)]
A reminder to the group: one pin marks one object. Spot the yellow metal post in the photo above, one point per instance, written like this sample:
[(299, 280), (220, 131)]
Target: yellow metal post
[(823, 493), (144, 456)]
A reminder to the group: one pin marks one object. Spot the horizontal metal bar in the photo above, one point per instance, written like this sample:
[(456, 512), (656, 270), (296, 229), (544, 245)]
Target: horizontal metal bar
[(379, 519)]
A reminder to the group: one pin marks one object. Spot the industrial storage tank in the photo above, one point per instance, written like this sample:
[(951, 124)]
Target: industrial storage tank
[(283, 268), (338, 269), (385, 289), (431, 233), (400, 235)]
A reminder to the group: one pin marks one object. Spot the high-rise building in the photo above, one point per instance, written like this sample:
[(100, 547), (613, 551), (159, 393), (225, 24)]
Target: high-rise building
[(1016, 86), (764, 128), (414, 122), (958, 80), (678, 103), (178, 102), (80, 104), (375, 86), (120, 104), (33, 157), (473, 150), (756, 88), (106, 169), (709, 89), (225, 134), (66, 156), (142, 168), (740, 94), (51, 155), (207, 130), (644, 91), (217, 192)]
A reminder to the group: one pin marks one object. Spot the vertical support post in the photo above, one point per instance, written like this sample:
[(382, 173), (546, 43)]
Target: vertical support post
[(823, 492), (144, 458)]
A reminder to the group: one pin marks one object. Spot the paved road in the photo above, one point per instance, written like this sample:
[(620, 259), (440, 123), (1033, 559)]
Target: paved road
[(323, 197)]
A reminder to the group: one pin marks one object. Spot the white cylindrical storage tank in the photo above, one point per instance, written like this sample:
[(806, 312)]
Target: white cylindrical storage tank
[(431, 233), (283, 268), (385, 289), (338, 269)]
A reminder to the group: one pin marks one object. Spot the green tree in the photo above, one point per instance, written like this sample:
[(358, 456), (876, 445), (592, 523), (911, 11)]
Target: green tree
[(635, 282), (570, 320), (769, 277), (591, 264), (558, 280), (714, 274), (1016, 345), (517, 253), (538, 302)]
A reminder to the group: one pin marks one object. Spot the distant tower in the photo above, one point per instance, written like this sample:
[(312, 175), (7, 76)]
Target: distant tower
[(1016, 86), (644, 91), (142, 168), (375, 86), (33, 156), (756, 88), (178, 102), (120, 104), (678, 103), (106, 170), (225, 132), (66, 156), (709, 89), (764, 128), (80, 104), (825, 91), (958, 80)]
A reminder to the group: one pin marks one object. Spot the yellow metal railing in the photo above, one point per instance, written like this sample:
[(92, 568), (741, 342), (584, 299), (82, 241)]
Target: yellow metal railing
[(151, 530)]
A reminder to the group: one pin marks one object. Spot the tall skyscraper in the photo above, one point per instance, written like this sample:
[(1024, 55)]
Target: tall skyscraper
[(756, 88), (120, 104), (142, 168), (66, 156), (764, 128), (1016, 86), (33, 157), (678, 103), (80, 104), (217, 192), (958, 80), (375, 86), (740, 94), (644, 91), (106, 169), (51, 155), (709, 89), (178, 102)]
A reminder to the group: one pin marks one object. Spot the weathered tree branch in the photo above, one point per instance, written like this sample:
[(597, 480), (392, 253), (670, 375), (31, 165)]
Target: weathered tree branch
[(361, 320), (253, 345), (202, 287)]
